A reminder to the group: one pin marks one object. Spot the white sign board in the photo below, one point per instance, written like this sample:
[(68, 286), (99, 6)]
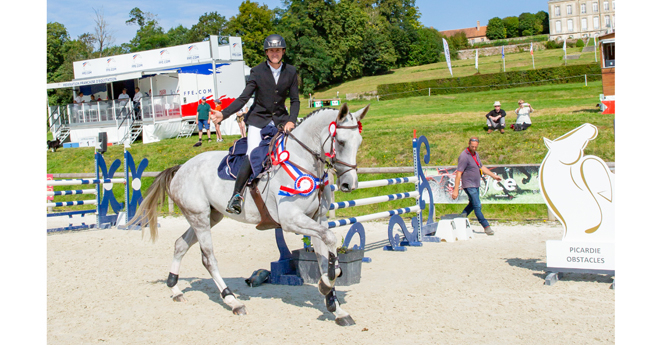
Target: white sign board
[(581, 255), (145, 60), (579, 191)]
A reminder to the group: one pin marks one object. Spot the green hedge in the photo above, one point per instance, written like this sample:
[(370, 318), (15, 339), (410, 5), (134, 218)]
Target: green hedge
[(495, 81)]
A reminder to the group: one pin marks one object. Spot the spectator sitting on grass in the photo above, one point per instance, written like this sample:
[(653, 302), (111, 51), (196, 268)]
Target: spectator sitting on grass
[(523, 121), (495, 118)]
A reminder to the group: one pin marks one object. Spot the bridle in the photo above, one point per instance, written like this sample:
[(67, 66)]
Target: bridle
[(330, 159)]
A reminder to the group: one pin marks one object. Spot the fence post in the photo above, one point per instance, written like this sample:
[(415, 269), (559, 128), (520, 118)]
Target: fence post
[(429, 92), (585, 80), (551, 216), (170, 205), (377, 98)]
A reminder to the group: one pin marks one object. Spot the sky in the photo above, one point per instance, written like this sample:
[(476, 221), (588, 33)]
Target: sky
[(78, 16)]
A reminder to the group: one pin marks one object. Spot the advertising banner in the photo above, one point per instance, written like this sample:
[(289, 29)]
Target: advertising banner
[(519, 185), (147, 60)]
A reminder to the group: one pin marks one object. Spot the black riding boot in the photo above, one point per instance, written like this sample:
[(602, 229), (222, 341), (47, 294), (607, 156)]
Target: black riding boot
[(235, 203)]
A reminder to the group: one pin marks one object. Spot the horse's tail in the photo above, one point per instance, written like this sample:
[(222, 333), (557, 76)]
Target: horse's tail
[(154, 197)]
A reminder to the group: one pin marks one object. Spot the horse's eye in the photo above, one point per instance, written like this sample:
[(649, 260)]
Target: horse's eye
[(339, 142)]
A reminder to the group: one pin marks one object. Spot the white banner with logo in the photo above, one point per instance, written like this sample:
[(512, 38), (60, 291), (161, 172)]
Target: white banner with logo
[(447, 57), (140, 61)]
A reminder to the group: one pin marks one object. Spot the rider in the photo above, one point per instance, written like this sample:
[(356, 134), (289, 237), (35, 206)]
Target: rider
[(268, 107)]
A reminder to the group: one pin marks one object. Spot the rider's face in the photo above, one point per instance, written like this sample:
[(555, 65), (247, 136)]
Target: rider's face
[(275, 55)]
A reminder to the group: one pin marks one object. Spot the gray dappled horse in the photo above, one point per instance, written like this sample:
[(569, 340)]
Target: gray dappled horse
[(202, 196)]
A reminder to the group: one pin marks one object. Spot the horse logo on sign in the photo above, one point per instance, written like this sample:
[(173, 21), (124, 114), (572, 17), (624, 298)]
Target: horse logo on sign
[(578, 189)]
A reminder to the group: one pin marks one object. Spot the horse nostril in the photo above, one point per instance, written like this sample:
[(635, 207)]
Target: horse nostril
[(345, 187)]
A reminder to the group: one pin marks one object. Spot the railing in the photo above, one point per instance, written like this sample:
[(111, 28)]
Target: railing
[(101, 111), (55, 118), (158, 108), (154, 108)]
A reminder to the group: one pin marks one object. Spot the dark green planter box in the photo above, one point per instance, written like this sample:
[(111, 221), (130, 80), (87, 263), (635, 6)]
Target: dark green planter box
[(307, 267)]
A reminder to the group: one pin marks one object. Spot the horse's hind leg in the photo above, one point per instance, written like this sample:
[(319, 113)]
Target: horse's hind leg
[(208, 259), (181, 247)]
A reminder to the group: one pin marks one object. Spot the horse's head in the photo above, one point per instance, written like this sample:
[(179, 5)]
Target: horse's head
[(569, 148), (348, 140)]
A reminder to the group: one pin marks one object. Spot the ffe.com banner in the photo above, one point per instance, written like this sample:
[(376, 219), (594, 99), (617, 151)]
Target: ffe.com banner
[(519, 185)]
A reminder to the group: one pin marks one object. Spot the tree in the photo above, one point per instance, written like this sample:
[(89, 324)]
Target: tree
[(307, 47), (56, 38), (178, 36), (139, 18), (378, 53), (102, 34), (458, 41), (208, 24), (496, 29), (529, 24), (345, 29), (150, 35), (253, 24), (427, 49), (543, 18), (511, 26)]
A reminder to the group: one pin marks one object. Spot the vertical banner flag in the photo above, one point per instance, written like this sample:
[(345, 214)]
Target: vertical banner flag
[(503, 60), (564, 52), (531, 51), (476, 60), (444, 42)]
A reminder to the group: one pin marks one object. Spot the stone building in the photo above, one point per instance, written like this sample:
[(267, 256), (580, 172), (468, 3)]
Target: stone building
[(580, 18)]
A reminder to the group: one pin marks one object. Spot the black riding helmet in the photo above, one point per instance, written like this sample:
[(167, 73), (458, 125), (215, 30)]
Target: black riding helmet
[(274, 41)]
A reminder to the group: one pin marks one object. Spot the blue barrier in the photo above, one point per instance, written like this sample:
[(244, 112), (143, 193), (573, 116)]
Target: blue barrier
[(105, 198)]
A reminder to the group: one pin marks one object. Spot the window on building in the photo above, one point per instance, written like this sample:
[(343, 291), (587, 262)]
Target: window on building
[(558, 27), (569, 9), (594, 6), (596, 23), (583, 8), (606, 6), (608, 54), (557, 11), (569, 25), (612, 4), (607, 21), (584, 24), (613, 24)]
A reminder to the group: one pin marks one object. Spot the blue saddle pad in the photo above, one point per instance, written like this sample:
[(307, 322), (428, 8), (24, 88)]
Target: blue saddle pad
[(228, 168)]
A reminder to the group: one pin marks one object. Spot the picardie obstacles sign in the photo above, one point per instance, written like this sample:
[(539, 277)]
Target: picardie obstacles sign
[(579, 191)]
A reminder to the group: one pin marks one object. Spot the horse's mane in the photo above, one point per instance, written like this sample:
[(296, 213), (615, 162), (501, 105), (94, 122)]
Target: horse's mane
[(314, 113)]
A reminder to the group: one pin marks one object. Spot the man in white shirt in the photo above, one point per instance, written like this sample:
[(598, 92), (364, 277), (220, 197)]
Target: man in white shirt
[(136, 103), (78, 100), (123, 99)]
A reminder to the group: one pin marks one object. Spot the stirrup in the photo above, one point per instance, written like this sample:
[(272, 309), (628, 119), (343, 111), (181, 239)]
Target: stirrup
[(235, 204)]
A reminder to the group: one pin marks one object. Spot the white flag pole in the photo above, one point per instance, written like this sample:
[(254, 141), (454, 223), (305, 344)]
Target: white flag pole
[(595, 48), (476, 60), (564, 52)]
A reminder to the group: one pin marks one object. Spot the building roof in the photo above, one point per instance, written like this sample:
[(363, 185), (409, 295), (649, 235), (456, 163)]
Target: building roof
[(469, 32)]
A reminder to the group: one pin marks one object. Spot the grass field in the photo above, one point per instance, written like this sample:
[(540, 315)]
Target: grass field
[(460, 68), (447, 121)]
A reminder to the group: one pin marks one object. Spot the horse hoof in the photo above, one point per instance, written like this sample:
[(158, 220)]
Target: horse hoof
[(179, 298), (345, 321), (323, 288), (239, 310)]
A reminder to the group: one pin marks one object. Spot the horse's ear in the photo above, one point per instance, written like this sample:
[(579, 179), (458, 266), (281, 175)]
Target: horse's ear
[(343, 111), (548, 143), (359, 115)]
